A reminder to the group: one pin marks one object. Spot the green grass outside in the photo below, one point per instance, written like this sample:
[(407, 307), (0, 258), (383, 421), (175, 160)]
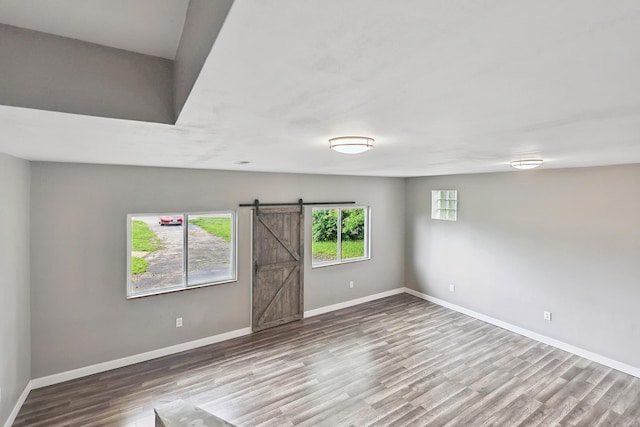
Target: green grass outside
[(220, 227), (328, 250), (142, 238), (138, 265)]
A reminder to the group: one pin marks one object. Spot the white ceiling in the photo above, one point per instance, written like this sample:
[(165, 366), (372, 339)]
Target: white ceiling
[(152, 27), (445, 87)]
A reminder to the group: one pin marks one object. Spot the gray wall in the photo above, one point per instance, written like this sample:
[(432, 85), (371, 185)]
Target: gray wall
[(79, 312), (15, 345), (54, 73), (201, 27), (567, 241)]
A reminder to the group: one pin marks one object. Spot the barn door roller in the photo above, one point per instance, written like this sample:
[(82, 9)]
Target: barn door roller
[(256, 204)]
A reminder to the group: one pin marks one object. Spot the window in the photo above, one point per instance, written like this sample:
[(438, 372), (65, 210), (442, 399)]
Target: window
[(351, 243), (444, 205), (169, 252)]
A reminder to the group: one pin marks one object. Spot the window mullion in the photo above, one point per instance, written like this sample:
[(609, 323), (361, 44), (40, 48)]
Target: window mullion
[(339, 236), (185, 251)]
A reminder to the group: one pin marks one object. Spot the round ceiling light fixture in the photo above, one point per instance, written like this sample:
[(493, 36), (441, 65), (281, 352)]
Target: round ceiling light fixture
[(526, 164), (351, 144)]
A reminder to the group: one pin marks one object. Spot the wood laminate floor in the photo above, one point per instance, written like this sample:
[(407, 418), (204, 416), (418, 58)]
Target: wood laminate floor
[(395, 361)]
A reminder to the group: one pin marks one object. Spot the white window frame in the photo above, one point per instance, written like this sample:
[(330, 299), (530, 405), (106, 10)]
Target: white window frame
[(367, 237), (185, 253)]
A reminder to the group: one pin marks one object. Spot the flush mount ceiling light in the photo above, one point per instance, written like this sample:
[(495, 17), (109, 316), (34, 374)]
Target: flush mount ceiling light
[(351, 144), (526, 164)]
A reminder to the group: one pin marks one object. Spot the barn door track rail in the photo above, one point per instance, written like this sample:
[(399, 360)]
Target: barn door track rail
[(256, 204)]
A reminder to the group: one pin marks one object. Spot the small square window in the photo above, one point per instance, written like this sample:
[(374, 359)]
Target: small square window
[(444, 205)]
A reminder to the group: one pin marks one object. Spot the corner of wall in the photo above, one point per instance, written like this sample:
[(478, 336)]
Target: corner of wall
[(15, 265)]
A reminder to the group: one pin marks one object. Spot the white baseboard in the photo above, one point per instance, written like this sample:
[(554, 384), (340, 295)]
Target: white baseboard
[(603, 360), (125, 361), (340, 305), (18, 405), (136, 358), (154, 354)]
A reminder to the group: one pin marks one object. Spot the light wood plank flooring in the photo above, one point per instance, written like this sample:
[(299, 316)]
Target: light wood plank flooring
[(396, 361)]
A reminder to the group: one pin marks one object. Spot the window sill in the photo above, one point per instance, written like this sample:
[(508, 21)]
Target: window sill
[(177, 289), (332, 263)]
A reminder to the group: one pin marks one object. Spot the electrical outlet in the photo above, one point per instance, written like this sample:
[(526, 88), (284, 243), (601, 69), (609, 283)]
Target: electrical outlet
[(452, 288), (178, 322), (351, 284), (547, 315)]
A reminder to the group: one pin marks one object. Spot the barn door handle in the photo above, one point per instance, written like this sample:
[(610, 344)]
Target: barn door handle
[(255, 267)]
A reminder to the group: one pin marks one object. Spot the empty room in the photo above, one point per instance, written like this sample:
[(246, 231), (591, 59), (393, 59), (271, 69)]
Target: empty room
[(319, 213)]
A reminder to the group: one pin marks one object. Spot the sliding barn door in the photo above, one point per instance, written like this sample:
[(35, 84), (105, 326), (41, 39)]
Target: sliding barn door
[(278, 266)]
